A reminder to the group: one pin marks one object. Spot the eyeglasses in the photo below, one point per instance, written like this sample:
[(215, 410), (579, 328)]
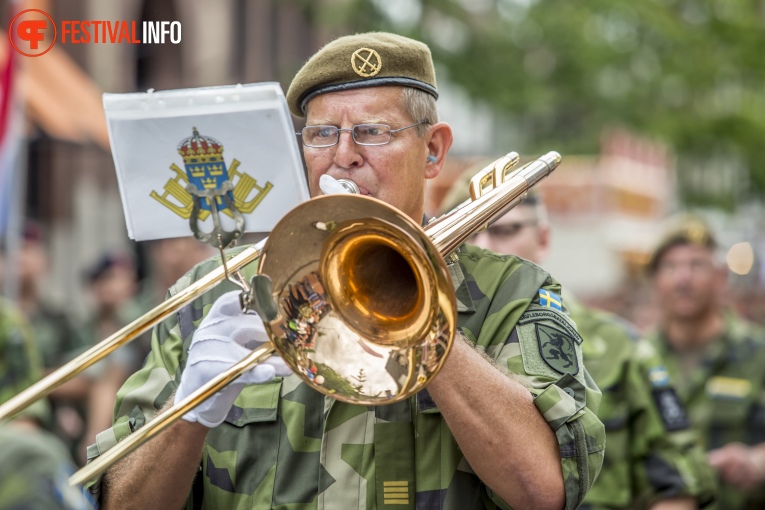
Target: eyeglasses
[(363, 134), (695, 266), (508, 230)]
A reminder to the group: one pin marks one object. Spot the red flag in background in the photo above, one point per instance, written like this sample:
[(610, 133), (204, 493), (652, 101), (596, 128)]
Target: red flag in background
[(11, 139)]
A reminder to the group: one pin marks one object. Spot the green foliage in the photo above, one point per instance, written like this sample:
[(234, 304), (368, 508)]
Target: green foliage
[(688, 72)]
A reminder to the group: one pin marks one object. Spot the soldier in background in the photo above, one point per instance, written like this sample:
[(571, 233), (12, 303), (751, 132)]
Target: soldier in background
[(113, 285), (715, 357), (168, 260), (653, 459), (34, 465), (55, 335)]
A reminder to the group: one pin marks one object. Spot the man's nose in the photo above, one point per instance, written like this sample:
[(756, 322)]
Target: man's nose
[(347, 153), (683, 274)]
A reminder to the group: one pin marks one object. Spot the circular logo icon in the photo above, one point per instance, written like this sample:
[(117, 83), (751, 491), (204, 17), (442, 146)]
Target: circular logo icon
[(366, 62), (29, 31)]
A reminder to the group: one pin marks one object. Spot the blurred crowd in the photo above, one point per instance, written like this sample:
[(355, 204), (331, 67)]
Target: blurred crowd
[(52, 336), (683, 396)]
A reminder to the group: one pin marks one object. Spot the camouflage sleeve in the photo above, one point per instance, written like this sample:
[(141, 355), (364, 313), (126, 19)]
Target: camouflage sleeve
[(147, 390), (537, 341), (666, 456), (551, 361)]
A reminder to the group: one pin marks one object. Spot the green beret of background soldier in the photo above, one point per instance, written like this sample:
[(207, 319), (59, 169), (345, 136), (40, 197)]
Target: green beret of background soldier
[(477, 437), (653, 458), (715, 357)]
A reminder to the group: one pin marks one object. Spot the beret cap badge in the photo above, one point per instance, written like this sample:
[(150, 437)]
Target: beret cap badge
[(366, 62)]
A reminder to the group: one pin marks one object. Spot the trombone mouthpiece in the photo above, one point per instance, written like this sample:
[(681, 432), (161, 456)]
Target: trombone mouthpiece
[(349, 185), (331, 186)]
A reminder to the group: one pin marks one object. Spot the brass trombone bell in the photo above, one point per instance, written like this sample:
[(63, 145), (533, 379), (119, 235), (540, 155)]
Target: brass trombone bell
[(365, 300)]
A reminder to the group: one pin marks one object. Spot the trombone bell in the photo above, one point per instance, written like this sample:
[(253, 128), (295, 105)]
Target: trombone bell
[(367, 312)]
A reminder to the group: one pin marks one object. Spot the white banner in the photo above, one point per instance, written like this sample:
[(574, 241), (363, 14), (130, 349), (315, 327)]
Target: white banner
[(163, 141)]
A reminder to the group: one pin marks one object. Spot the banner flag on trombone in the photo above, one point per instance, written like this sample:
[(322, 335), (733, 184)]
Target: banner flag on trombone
[(164, 141)]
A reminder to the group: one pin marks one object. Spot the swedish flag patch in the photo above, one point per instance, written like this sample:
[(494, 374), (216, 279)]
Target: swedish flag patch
[(658, 376), (549, 299)]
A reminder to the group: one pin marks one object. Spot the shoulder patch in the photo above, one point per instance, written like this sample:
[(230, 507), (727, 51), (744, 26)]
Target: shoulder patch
[(536, 314), (550, 344), (558, 349), (658, 376)]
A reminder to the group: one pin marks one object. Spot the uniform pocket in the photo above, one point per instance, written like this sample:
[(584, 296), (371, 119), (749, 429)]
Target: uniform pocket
[(240, 454), (255, 404)]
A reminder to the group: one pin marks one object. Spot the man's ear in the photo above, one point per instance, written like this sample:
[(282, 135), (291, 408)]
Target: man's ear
[(440, 140)]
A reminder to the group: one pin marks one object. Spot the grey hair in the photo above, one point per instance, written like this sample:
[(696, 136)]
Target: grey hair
[(420, 106)]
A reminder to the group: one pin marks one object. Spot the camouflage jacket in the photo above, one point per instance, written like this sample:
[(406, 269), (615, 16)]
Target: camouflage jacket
[(286, 446), (34, 472), (20, 363), (725, 397), (58, 340), (652, 452)]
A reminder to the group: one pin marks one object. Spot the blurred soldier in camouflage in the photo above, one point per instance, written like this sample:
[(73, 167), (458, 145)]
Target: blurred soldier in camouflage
[(476, 438), (715, 357), (34, 465), (653, 458), (56, 338)]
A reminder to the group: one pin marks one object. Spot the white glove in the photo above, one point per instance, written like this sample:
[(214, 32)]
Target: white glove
[(225, 337), (330, 186)]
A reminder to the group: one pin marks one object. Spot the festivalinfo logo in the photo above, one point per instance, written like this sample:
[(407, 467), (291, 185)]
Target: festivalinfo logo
[(33, 32)]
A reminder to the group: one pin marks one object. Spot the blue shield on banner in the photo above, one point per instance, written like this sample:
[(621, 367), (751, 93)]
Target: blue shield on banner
[(205, 168)]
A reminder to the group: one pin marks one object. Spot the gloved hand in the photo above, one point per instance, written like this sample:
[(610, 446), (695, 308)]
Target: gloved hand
[(225, 336)]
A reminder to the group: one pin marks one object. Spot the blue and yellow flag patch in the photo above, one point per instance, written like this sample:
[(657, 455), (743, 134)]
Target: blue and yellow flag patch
[(658, 376), (549, 299)]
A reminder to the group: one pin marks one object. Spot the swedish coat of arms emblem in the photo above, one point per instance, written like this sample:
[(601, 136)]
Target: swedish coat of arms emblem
[(206, 170)]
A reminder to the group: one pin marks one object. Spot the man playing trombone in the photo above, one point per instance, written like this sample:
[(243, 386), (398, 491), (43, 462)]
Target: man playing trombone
[(506, 422)]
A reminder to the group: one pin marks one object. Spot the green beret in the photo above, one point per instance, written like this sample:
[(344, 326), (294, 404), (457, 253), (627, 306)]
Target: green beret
[(682, 230), (363, 60)]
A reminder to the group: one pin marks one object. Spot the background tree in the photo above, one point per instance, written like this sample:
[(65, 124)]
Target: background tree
[(687, 72)]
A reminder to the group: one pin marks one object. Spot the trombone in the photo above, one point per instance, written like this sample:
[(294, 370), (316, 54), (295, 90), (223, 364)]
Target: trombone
[(335, 296)]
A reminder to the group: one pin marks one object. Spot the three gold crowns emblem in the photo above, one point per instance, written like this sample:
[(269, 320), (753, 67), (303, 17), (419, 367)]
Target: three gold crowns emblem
[(366, 62)]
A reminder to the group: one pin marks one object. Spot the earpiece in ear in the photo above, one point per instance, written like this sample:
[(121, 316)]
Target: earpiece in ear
[(432, 158)]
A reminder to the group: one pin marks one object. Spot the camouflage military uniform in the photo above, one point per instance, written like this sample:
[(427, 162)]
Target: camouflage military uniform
[(34, 468), (652, 452), (19, 360), (286, 446), (724, 396), (57, 339)]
